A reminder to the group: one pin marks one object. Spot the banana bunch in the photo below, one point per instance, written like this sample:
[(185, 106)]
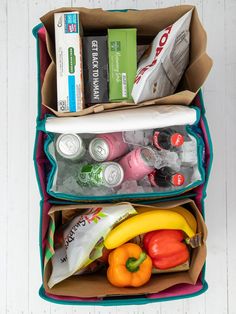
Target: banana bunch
[(148, 219)]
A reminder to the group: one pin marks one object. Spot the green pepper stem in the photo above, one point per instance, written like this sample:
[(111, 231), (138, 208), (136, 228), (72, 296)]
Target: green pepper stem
[(132, 263)]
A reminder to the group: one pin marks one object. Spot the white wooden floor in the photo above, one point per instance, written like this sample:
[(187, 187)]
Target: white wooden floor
[(19, 211)]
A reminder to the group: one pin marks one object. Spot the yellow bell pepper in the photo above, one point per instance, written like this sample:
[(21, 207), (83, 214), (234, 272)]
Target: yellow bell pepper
[(129, 266)]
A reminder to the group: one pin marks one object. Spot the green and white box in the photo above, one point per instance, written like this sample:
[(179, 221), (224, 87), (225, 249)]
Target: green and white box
[(122, 53), (70, 89)]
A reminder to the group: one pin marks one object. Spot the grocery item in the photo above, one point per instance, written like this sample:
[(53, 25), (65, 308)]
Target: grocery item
[(122, 55), (145, 222), (191, 220), (70, 87), (95, 63), (82, 240), (166, 249), (109, 146), (129, 266), (166, 177), (109, 174), (138, 163), (167, 138), (160, 71), (70, 146)]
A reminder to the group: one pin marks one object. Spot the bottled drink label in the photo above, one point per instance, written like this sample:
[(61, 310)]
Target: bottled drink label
[(167, 139), (166, 177)]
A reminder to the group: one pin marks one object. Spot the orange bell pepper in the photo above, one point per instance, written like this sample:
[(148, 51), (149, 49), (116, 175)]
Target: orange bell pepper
[(129, 266)]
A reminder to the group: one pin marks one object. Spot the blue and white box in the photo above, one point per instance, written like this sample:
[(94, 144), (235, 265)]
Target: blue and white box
[(70, 87)]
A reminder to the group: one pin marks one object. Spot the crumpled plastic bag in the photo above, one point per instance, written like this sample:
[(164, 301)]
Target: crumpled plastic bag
[(80, 241), (160, 71)]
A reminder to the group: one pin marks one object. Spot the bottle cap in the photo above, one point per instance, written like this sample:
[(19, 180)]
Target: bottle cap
[(177, 139), (70, 145), (113, 174), (177, 179), (99, 149)]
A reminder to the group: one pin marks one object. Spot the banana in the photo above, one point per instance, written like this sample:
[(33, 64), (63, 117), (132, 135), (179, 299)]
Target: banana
[(145, 222), (191, 220)]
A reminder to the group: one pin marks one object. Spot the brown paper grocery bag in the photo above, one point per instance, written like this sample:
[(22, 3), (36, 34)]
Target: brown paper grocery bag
[(148, 24), (96, 284)]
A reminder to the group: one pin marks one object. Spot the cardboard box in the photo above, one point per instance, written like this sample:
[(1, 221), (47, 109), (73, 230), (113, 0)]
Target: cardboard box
[(97, 21), (122, 53), (95, 56), (96, 285), (70, 93)]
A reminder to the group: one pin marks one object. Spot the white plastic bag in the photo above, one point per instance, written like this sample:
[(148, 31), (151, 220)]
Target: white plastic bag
[(82, 240), (159, 73)]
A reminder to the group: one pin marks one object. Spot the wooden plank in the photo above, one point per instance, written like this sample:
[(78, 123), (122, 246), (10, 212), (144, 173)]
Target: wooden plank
[(126, 4), (195, 305), (83, 3), (18, 150), (128, 309), (173, 307), (84, 309), (214, 92), (105, 4), (151, 4), (230, 52), (154, 308), (115, 5), (4, 154), (230, 192), (198, 4), (104, 310), (168, 3)]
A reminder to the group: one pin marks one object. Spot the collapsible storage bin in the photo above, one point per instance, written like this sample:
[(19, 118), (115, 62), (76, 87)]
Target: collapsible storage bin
[(61, 182), (96, 285), (189, 93)]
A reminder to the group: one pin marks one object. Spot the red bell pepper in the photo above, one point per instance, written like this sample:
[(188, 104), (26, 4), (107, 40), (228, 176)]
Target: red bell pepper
[(166, 249)]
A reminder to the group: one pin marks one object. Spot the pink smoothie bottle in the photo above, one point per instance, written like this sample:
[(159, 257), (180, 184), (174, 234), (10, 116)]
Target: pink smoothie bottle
[(107, 147), (138, 163)]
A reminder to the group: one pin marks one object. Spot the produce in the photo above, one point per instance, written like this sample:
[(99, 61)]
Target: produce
[(191, 220), (129, 266), (166, 249), (146, 222)]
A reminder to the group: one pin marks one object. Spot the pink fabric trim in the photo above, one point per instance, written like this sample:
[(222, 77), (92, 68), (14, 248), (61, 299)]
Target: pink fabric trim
[(45, 60), (42, 163), (177, 290)]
